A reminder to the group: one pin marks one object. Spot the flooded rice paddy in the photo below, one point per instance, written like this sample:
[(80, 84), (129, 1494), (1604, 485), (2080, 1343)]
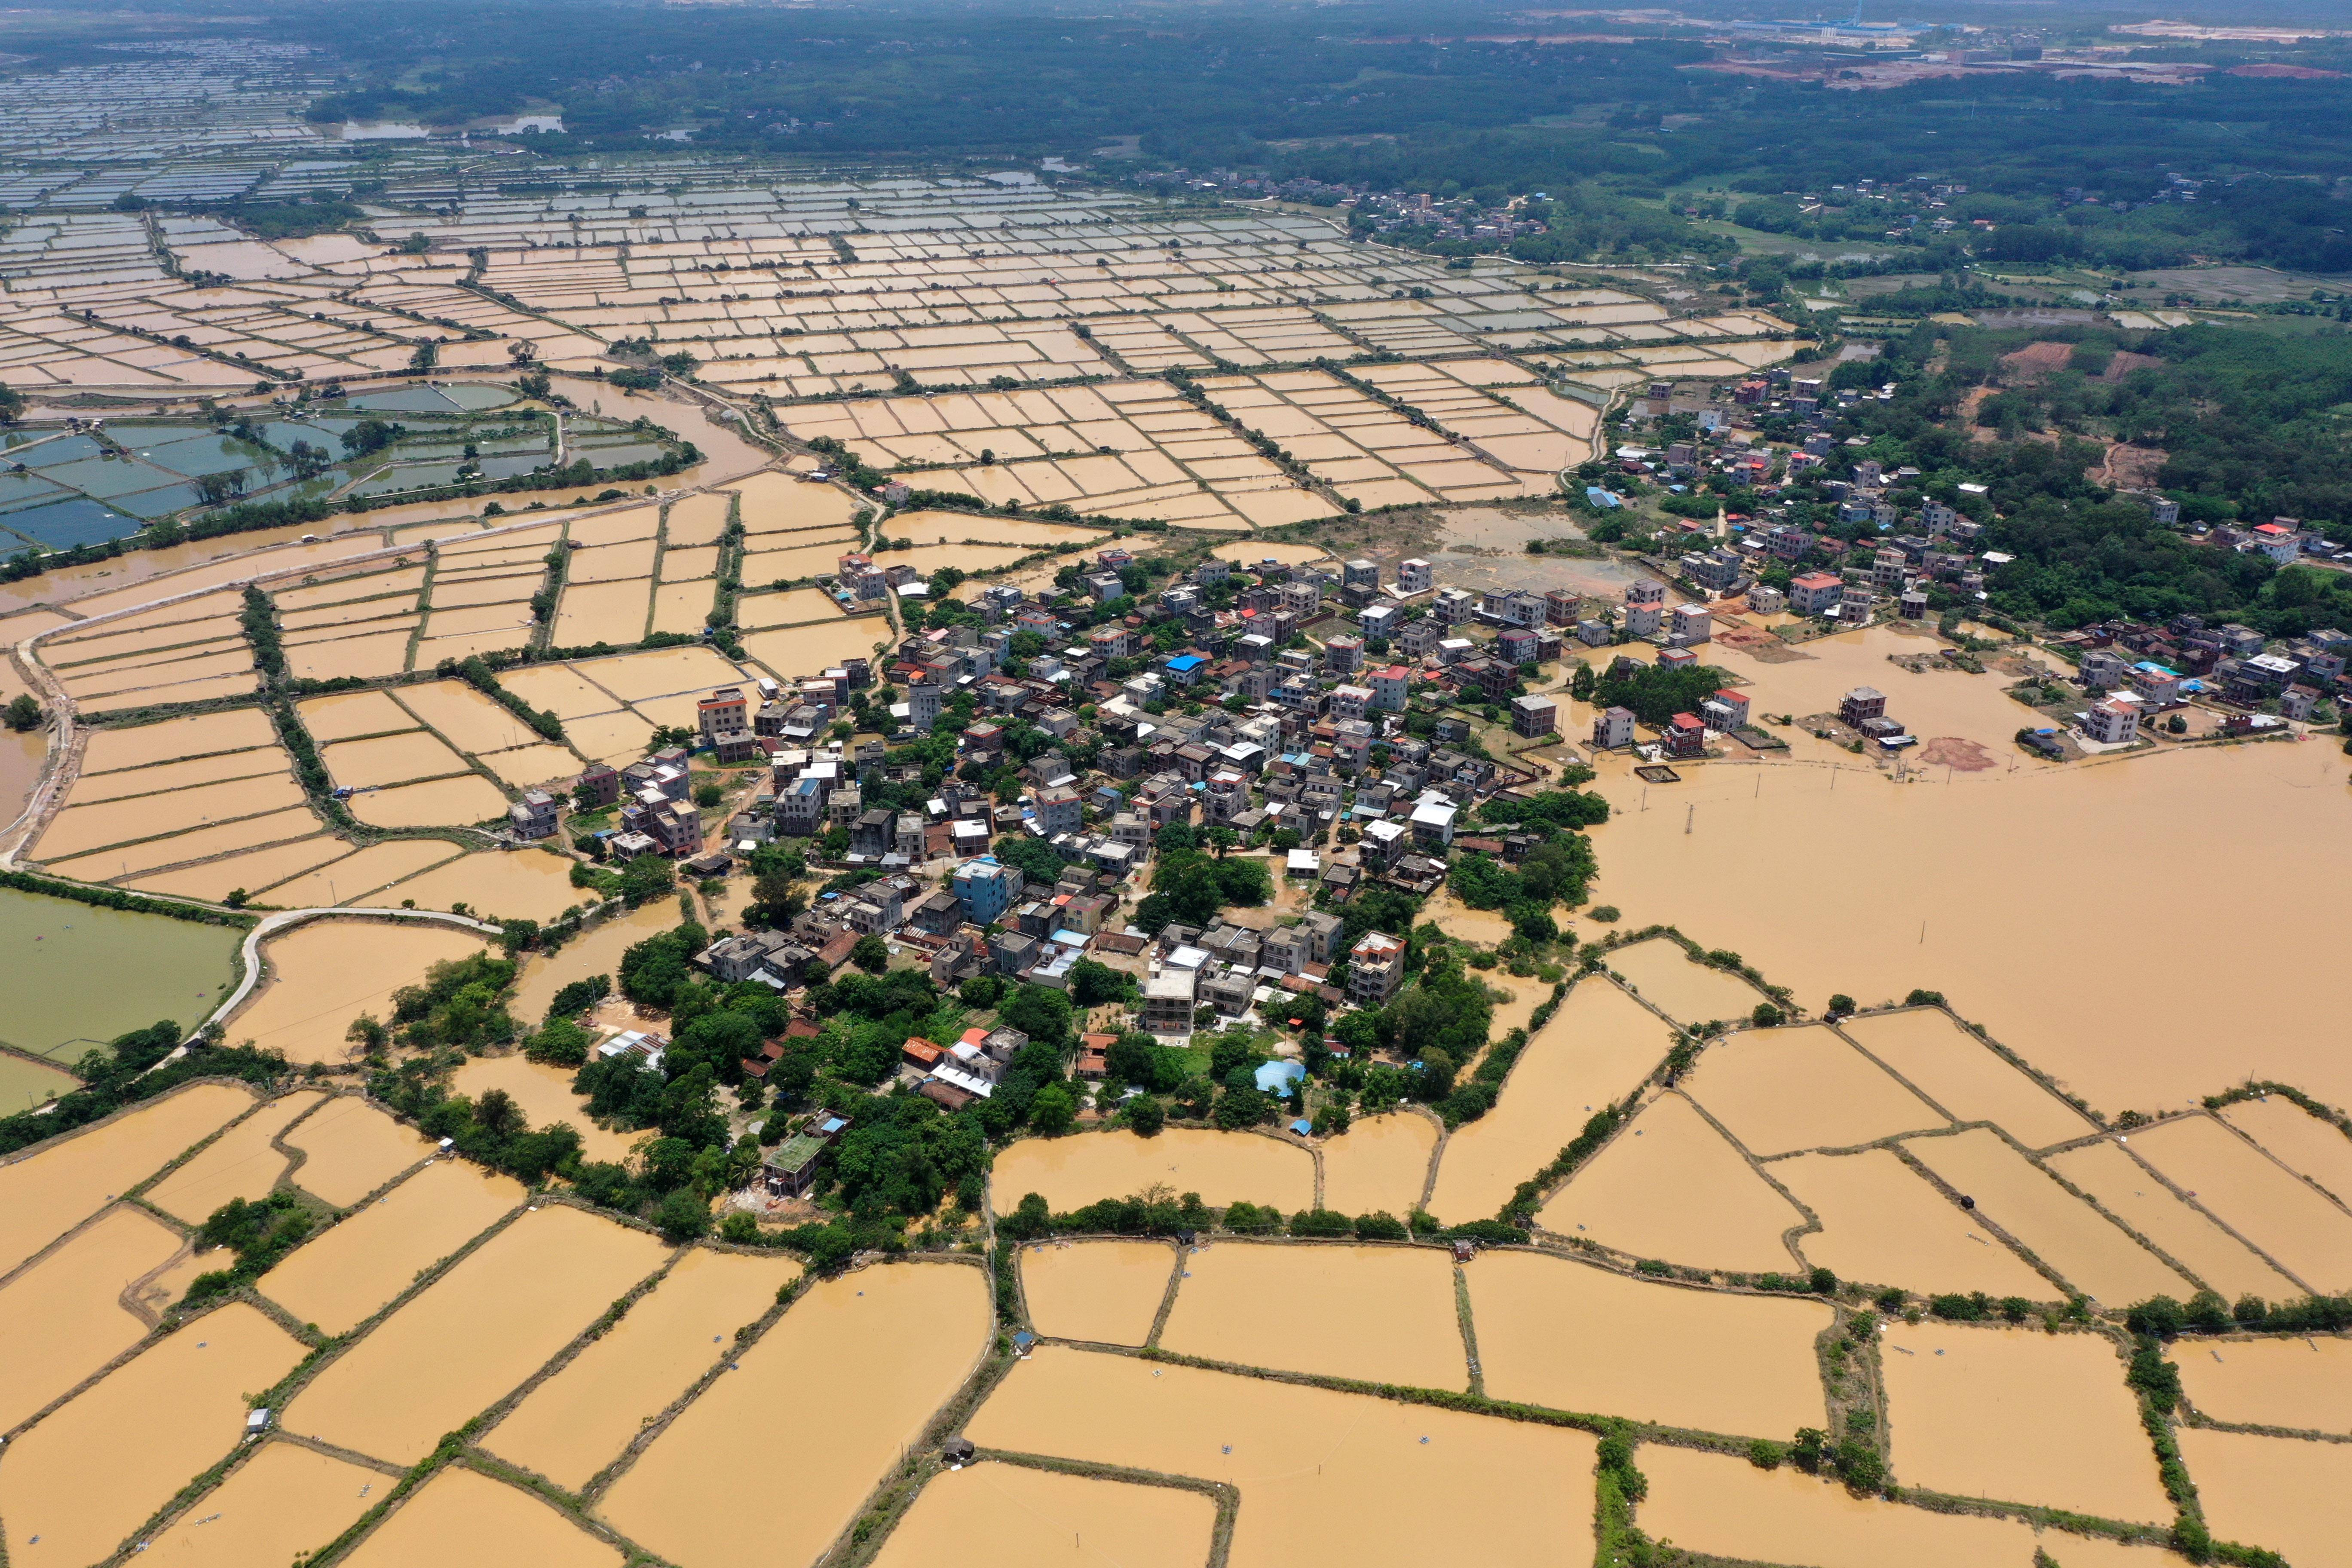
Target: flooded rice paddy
[(1880, 1223), (354, 877), (474, 1335), (2287, 1218), (81, 975), (496, 884), (346, 1273), (349, 1149), (1222, 1167), (2304, 1384), (325, 973), (1597, 1049), (463, 1518), (579, 1421), (1647, 1350), (1010, 1516), (63, 1318), (55, 1186), (1779, 1090), (1106, 1291), (256, 871), (1725, 1507), (239, 1164), (544, 1095), (1671, 1187), (442, 802), (1965, 1076), (597, 952), (1663, 975), (2192, 1237), (1379, 1165), (2019, 1416), (282, 1502), (2086, 1249), (1319, 1473), (1968, 848), (87, 1475), (1378, 1314), (2298, 1140), (2294, 1497), (821, 1407)]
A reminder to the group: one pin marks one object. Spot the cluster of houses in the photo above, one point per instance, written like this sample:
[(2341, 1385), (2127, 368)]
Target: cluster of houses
[(2135, 672)]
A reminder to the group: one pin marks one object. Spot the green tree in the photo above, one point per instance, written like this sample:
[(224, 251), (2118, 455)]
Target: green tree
[(871, 953), (22, 714), (1053, 1111), (682, 1216)]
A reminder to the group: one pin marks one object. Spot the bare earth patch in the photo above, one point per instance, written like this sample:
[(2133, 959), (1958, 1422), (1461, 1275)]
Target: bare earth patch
[(1957, 752)]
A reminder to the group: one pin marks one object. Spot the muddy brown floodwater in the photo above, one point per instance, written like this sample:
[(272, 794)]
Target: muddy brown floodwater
[(1883, 1224), (462, 1519), (62, 1319), (47, 1191), (2292, 1496), (1979, 915), (1379, 1164), (2019, 1416), (282, 1502), (1963, 1075), (1222, 1167), (372, 1255), (349, 1149), (1597, 1049), (1670, 1186), (1665, 976), (326, 972), (578, 1421), (2126, 1189), (1380, 1314), (2304, 1384), (597, 952), (1645, 1349), (1108, 1292), (1009, 1515), (1319, 1473), (85, 1478), (1778, 1090), (544, 1094), (2298, 1140), (473, 1335), (2260, 1199), (239, 1164), (823, 1404)]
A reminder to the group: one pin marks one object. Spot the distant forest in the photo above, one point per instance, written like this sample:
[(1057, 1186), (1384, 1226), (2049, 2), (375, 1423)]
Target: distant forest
[(1359, 93)]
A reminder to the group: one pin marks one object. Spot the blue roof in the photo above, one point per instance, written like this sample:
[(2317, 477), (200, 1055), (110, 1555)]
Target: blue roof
[(1302, 1127), (1187, 661), (1276, 1078), (1601, 498)]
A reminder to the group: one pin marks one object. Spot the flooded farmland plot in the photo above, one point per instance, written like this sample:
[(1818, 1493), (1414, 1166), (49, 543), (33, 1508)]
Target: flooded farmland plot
[(2302, 1142), (349, 1149), (1966, 1077), (62, 1318), (1663, 975), (1882, 1223), (1010, 1516), (509, 884), (462, 1519), (345, 1273), (1222, 1167), (239, 1164), (1376, 1314), (90, 1472), (1725, 1507), (1596, 1050), (2270, 1206), (1318, 1472), (325, 973), (579, 1421), (544, 1096), (282, 1502), (1779, 1090), (26, 1082), (2290, 1495), (2019, 1416), (2304, 1384), (1379, 1165), (875, 1352), (2192, 1237), (1670, 1187), (83, 975), (51, 1188), (474, 1335), (2086, 1249), (1645, 1349), (1107, 1292)]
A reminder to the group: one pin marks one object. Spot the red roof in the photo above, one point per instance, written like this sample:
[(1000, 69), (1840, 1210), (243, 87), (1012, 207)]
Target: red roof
[(1685, 721)]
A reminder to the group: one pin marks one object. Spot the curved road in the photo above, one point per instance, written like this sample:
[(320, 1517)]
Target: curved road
[(284, 919)]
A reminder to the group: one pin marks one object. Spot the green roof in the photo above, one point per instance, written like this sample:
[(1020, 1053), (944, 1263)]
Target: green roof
[(793, 1153)]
